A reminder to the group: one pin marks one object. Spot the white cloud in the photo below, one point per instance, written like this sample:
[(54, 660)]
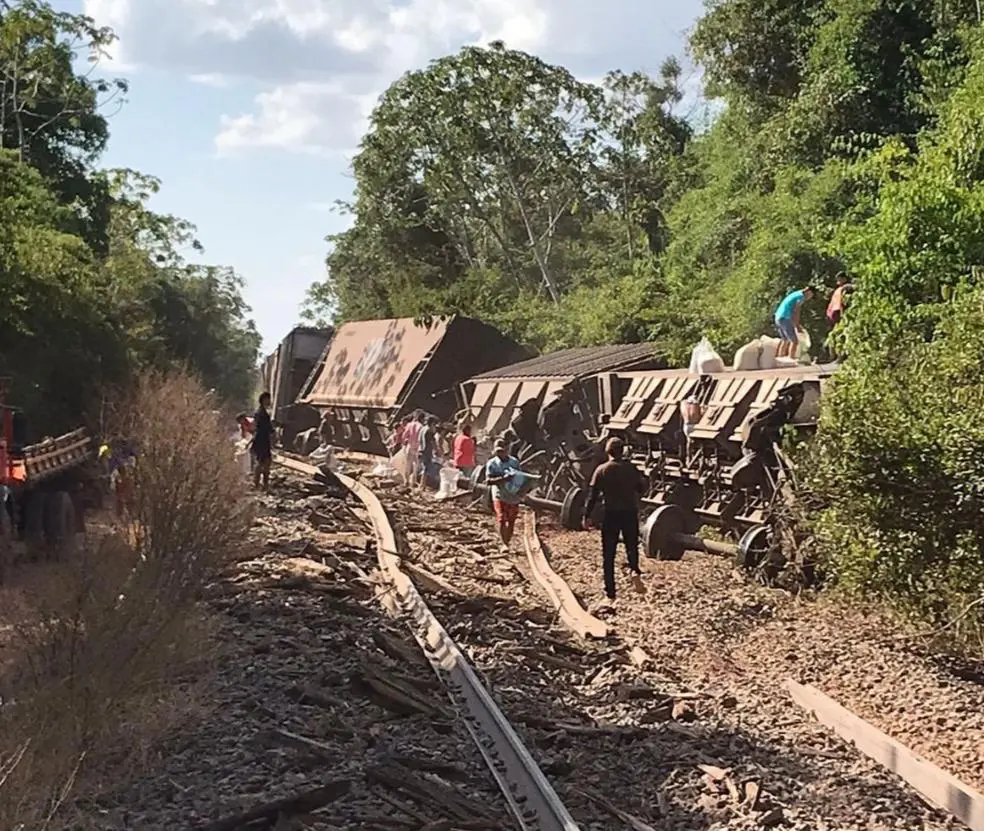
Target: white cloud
[(321, 64), (211, 79)]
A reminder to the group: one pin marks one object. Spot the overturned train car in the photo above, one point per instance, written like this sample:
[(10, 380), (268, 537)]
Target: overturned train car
[(551, 408), (376, 371), (708, 447)]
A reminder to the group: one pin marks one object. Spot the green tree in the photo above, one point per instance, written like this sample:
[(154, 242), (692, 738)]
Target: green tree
[(479, 162), (95, 285), (51, 116)]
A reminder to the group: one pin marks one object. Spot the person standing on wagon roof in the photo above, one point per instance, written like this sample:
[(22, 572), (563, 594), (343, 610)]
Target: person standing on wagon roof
[(788, 320)]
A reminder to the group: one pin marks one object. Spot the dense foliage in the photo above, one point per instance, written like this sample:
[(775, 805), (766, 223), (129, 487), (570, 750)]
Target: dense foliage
[(848, 135), (94, 284)]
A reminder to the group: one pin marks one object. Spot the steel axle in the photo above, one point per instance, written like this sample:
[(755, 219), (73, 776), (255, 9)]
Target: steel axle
[(664, 539), (571, 510)]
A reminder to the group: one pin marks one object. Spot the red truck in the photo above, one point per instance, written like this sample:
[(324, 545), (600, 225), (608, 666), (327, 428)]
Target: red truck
[(44, 487)]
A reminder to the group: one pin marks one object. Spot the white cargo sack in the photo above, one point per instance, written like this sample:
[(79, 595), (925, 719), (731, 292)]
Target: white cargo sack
[(747, 358), (242, 457), (767, 357), (803, 347), (704, 360)]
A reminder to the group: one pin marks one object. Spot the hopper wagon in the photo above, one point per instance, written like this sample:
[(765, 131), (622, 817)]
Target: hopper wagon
[(286, 374), (561, 399), (726, 472), (374, 372)]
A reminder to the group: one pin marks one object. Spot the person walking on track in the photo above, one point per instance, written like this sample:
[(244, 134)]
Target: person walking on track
[(619, 484), (262, 447), (499, 472)]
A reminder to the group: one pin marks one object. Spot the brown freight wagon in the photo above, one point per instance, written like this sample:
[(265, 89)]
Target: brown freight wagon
[(563, 397), (494, 397), (287, 372), (376, 371)]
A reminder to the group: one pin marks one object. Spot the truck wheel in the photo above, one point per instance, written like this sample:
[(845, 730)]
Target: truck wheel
[(6, 543), (59, 524), (34, 512)]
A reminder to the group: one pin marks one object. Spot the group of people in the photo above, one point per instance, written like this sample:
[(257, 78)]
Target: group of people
[(420, 438), (787, 314)]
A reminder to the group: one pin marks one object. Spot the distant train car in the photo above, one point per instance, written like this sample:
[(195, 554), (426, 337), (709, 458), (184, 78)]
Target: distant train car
[(376, 371), (287, 372)]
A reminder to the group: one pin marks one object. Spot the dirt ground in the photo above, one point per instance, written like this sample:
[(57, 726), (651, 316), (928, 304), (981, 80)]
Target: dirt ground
[(720, 632), (703, 739)]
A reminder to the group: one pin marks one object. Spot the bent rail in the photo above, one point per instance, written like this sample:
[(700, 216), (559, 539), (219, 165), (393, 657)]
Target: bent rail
[(530, 796), (574, 616)]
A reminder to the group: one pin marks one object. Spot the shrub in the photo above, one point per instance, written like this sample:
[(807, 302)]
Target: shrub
[(90, 681), (900, 461)]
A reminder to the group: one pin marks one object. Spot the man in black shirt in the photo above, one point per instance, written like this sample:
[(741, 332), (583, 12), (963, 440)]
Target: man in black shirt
[(262, 447), (620, 484)]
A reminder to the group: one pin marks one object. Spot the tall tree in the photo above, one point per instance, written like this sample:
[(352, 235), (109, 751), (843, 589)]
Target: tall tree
[(489, 150), (51, 116), (642, 143)]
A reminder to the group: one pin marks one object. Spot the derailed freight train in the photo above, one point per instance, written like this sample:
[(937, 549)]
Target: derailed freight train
[(376, 371), (707, 445)]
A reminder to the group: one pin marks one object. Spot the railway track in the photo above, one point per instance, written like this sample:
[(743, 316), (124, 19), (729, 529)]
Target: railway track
[(531, 798), (729, 767)]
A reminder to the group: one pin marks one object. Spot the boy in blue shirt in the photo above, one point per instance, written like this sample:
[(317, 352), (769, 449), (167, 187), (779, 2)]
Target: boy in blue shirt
[(788, 320)]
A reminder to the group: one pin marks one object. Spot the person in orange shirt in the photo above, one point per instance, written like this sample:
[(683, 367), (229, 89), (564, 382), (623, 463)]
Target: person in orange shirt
[(835, 308)]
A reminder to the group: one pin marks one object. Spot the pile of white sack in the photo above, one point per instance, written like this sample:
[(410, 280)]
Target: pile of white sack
[(757, 354)]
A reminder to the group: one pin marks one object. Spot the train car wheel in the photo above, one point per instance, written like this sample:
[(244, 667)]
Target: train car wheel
[(478, 475), (659, 534), (753, 547), (572, 510)]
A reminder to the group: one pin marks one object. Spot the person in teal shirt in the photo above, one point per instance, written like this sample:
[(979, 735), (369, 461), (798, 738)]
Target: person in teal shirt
[(788, 320), (502, 474)]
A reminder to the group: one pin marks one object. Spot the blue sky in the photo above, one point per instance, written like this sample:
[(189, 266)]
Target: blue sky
[(249, 110)]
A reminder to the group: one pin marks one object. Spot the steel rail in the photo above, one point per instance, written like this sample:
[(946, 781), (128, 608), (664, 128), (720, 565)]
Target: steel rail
[(531, 798), (573, 615)]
